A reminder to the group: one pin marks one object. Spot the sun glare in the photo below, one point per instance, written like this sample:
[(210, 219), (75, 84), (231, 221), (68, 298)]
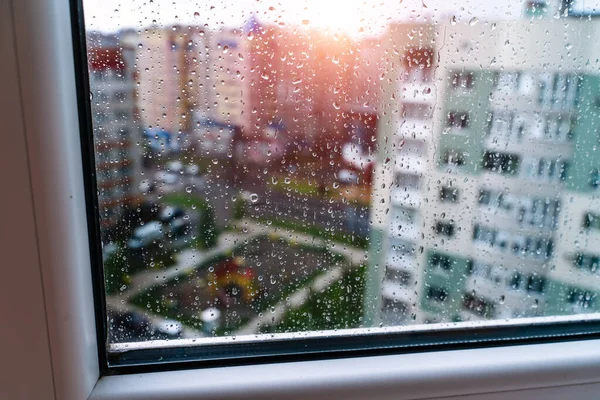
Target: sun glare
[(336, 15)]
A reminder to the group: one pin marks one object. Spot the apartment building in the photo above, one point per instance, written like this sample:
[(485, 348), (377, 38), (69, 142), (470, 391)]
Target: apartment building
[(169, 82), (485, 198), (116, 130)]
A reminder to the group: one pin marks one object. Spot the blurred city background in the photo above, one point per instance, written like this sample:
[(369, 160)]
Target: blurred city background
[(291, 174)]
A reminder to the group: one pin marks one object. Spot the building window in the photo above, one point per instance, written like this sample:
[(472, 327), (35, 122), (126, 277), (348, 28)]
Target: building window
[(453, 158), (515, 281), (394, 311), (402, 278), (458, 119), (448, 194), (440, 262), (591, 221), (595, 178), (462, 80), (479, 306), (536, 284), (437, 294), (445, 229), (501, 163), (547, 170), (587, 261), (581, 298)]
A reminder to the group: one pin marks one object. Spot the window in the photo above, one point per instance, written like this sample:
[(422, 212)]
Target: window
[(444, 229), (501, 163), (458, 120), (591, 221), (587, 261), (264, 173), (526, 211), (48, 95), (462, 80), (581, 298), (536, 284), (441, 262), (478, 306), (448, 194), (402, 278), (437, 294), (453, 158), (504, 241), (548, 170), (595, 178)]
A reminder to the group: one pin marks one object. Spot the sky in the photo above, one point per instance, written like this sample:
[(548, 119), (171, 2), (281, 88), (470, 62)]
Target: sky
[(353, 17)]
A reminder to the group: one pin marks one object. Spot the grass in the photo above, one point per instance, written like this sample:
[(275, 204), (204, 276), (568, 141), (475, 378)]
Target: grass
[(299, 186), (208, 232), (184, 201), (158, 304), (121, 265), (343, 238), (340, 306)]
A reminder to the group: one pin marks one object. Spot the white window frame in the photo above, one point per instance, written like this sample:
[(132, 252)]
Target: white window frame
[(49, 343)]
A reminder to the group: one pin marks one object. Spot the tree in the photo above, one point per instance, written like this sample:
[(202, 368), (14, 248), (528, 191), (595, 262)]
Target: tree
[(207, 235)]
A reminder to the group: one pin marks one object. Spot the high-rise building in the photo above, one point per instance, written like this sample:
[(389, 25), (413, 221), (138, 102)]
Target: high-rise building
[(485, 201), (169, 82), (117, 133)]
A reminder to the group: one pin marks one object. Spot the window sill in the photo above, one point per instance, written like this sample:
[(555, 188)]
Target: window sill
[(493, 373)]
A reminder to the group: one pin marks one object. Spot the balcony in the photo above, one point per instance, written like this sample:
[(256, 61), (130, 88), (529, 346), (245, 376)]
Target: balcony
[(415, 128), (404, 230), (418, 92), (410, 162), (401, 262), (406, 197), (391, 290)]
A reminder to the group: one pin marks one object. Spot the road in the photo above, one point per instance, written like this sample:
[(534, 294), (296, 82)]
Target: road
[(321, 212)]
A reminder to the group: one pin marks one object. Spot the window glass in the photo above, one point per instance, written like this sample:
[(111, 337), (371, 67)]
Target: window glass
[(277, 168)]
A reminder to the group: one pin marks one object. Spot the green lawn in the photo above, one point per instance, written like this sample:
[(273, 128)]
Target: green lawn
[(121, 265), (340, 306), (299, 186)]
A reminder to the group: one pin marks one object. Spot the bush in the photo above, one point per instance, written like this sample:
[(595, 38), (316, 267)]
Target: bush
[(239, 208), (207, 235)]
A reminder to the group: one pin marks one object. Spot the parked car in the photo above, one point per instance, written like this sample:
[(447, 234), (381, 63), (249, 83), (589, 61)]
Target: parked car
[(128, 326), (175, 166), (192, 169), (146, 234), (164, 177), (169, 213), (146, 186), (108, 250), (167, 329)]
